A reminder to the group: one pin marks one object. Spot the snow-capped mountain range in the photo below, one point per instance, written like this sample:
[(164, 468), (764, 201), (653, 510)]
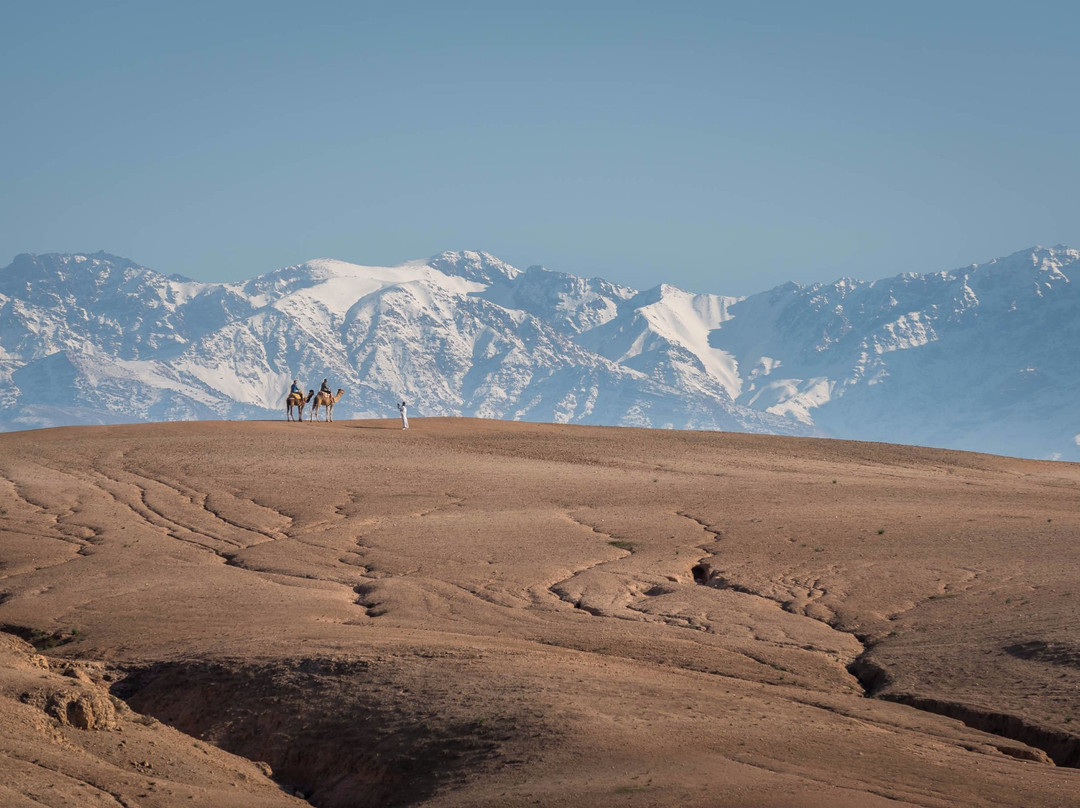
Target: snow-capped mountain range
[(982, 358)]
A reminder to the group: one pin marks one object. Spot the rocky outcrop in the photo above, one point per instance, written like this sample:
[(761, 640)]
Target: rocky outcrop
[(65, 736)]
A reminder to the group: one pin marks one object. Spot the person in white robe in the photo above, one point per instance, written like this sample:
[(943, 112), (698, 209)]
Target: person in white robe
[(403, 409)]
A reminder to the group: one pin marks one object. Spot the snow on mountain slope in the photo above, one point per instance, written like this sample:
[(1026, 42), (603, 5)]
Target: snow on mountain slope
[(71, 301), (481, 267), (334, 286), (664, 333), (950, 359), (569, 303), (686, 320), (983, 357)]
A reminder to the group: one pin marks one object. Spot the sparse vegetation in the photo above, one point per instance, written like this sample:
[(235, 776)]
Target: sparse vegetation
[(881, 531), (43, 640), (622, 544)]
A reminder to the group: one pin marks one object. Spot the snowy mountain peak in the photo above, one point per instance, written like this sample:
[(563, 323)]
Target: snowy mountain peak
[(475, 266), (1039, 258), (100, 258), (54, 265), (329, 287), (1054, 259)]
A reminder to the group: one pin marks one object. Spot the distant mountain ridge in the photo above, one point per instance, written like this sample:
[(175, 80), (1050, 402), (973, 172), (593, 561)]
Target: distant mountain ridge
[(981, 358)]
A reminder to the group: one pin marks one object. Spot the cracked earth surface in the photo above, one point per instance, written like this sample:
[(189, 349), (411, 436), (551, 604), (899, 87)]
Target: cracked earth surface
[(490, 613)]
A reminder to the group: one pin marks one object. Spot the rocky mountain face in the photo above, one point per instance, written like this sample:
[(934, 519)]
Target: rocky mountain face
[(982, 358)]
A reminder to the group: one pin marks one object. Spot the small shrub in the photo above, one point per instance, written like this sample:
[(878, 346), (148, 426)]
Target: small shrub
[(881, 531), (622, 545)]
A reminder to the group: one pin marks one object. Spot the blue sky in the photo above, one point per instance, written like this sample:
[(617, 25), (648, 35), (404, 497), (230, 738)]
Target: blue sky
[(721, 147)]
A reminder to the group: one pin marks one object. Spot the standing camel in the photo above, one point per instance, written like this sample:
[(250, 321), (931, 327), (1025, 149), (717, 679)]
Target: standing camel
[(325, 400), (297, 400)]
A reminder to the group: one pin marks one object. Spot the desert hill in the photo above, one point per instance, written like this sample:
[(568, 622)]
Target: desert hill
[(478, 613)]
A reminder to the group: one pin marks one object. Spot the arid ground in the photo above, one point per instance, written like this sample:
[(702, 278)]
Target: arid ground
[(483, 613)]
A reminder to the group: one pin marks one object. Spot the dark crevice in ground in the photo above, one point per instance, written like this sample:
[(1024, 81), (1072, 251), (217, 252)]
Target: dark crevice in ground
[(341, 734), (1061, 747), (705, 575)]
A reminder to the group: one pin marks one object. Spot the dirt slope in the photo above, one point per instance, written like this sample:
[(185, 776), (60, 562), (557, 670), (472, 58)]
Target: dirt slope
[(490, 613)]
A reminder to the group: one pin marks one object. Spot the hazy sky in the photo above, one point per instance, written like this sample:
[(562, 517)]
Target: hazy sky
[(721, 147)]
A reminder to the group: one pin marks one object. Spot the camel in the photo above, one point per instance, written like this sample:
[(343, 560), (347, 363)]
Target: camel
[(297, 400), (325, 400)]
